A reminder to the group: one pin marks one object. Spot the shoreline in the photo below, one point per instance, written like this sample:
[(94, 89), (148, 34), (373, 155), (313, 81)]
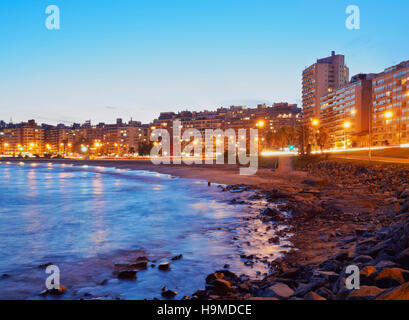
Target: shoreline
[(237, 194), (337, 218), (221, 174)]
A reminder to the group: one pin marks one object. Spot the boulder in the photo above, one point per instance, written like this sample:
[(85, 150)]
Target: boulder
[(178, 257), (313, 296), (127, 275), (365, 293), (278, 290), (384, 264), (141, 264), (303, 289), (362, 259), (390, 277), (403, 258), (221, 286), (169, 294), (368, 275), (398, 293), (327, 275), (164, 266)]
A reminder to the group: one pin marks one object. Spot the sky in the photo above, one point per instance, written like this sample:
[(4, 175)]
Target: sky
[(136, 58)]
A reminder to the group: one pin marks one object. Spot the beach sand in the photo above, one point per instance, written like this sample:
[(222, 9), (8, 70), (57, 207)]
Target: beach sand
[(220, 174)]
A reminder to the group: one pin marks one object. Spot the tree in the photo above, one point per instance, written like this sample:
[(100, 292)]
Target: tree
[(322, 138), (144, 148), (269, 139), (303, 136)]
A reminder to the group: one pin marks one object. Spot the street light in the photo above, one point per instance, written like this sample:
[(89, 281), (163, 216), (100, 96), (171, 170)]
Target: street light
[(388, 115), (347, 125), (260, 124)]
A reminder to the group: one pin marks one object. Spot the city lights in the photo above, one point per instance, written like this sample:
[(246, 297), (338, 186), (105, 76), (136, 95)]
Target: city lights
[(388, 115), (260, 124)]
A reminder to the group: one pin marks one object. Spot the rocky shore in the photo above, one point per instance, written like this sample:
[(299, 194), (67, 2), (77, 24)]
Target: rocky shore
[(343, 214)]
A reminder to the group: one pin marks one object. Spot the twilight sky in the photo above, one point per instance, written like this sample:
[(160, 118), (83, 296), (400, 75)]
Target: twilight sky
[(136, 58)]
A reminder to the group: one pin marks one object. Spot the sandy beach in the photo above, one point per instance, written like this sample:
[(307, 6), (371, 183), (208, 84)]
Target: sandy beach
[(220, 174)]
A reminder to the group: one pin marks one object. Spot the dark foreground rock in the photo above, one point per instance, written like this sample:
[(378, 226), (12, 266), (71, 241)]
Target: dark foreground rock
[(350, 215)]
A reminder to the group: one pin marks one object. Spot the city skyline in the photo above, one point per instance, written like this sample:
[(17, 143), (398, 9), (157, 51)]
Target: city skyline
[(162, 58)]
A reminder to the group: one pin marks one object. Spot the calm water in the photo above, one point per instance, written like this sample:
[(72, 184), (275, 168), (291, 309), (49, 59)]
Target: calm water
[(85, 219)]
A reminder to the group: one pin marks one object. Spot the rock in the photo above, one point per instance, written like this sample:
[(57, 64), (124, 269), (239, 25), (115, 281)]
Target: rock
[(178, 257), (404, 208), (362, 259), (58, 291), (360, 232), (404, 194), (365, 293), (348, 239), (390, 277), (303, 289), (278, 290), (103, 282), (274, 240), (327, 275), (142, 258), (121, 264), (45, 265), (141, 264), (164, 266), (384, 246), (342, 256), (313, 296), (398, 293), (325, 292), (222, 274), (403, 258), (169, 294), (127, 275), (384, 264), (291, 273), (221, 286)]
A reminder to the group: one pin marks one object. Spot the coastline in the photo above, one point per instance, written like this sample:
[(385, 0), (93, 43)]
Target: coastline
[(337, 218), (220, 174)]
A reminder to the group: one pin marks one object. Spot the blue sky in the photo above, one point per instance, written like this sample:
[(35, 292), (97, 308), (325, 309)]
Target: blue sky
[(136, 58)]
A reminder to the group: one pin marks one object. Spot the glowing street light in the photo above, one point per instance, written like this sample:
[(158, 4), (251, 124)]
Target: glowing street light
[(315, 122), (260, 124), (347, 124), (388, 114)]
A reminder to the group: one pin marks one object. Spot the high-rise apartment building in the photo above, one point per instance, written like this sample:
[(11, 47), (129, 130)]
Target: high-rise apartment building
[(319, 79), (390, 106), (345, 113)]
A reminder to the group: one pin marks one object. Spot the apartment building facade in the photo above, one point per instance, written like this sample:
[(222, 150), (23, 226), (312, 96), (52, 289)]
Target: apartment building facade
[(323, 77), (390, 106), (344, 113)]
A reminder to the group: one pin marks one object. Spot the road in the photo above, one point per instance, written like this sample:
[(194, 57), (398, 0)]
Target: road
[(375, 159)]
